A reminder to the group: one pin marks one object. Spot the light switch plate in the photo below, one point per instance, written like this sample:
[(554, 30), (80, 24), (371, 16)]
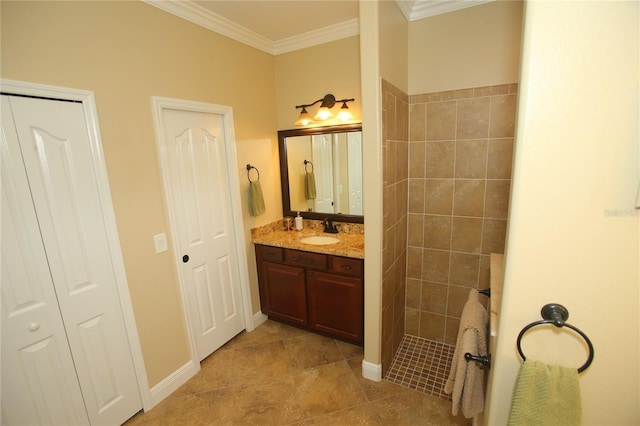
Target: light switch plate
[(160, 241)]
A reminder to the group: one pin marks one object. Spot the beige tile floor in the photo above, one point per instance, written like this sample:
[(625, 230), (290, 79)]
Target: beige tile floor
[(280, 375)]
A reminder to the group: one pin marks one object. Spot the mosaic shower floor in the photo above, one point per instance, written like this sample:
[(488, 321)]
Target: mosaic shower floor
[(422, 365)]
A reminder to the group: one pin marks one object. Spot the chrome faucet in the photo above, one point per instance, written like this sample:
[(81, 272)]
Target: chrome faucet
[(329, 227)]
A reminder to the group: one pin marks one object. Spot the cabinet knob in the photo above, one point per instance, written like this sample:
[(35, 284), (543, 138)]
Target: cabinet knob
[(185, 258), (34, 326)]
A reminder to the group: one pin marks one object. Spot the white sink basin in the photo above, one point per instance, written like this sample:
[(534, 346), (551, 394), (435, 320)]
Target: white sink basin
[(319, 240)]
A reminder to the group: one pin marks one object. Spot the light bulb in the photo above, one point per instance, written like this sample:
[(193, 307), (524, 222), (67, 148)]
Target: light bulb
[(323, 114), (344, 114), (304, 119)]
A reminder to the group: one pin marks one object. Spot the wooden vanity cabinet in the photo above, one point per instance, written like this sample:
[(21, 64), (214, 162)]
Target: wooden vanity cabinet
[(319, 292)]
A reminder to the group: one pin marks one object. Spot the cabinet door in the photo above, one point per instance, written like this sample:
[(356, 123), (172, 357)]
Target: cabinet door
[(282, 292), (336, 305)]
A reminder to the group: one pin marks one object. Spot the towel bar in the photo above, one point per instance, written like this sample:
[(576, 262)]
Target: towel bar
[(556, 314), (485, 291), (485, 361)]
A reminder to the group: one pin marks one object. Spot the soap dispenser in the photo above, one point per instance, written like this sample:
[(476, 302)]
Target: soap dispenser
[(298, 222)]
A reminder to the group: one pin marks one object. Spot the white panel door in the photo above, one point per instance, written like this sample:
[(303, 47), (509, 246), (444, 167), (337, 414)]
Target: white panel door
[(58, 161), (354, 153), (39, 384), (323, 170), (194, 158), (336, 168)]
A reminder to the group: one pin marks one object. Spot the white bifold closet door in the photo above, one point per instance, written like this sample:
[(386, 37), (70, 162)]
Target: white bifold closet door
[(65, 353)]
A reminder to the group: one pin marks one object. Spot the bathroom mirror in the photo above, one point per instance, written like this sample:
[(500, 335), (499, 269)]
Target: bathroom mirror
[(329, 159)]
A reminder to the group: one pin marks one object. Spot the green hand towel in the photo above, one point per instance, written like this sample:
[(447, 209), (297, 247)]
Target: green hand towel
[(309, 186), (256, 201), (546, 395)]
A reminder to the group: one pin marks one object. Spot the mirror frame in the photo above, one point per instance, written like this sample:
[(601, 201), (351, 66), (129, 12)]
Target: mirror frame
[(284, 171)]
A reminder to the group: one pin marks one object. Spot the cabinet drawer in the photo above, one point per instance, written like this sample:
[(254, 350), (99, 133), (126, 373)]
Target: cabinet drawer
[(305, 258), (272, 254), (345, 266)]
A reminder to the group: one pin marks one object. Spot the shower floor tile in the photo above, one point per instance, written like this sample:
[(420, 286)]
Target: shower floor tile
[(422, 365)]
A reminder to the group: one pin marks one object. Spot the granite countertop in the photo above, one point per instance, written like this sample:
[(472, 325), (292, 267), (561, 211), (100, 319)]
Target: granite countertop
[(351, 236)]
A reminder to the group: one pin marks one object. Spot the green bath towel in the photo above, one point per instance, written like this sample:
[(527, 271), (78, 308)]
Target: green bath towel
[(309, 186), (256, 200), (546, 395)]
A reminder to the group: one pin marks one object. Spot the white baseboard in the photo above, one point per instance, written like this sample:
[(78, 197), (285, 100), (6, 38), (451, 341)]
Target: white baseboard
[(371, 371), (258, 318), (172, 382)]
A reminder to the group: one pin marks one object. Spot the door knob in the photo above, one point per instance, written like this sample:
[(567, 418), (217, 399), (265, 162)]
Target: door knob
[(185, 258), (34, 326)]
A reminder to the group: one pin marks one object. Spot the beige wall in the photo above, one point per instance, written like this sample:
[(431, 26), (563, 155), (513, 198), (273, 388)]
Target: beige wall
[(474, 47), (394, 50), (573, 235), (126, 52), (306, 75), (299, 149), (372, 175), (382, 29)]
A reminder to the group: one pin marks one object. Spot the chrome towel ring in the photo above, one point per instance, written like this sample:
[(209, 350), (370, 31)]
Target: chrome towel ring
[(556, 314)]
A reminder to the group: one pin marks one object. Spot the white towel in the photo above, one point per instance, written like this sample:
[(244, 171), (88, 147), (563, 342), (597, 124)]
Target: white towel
[(466, 379)]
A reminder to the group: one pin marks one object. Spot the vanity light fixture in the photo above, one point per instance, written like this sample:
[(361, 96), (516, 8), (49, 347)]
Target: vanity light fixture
[(344, 114), (324, 112), (304, 119)]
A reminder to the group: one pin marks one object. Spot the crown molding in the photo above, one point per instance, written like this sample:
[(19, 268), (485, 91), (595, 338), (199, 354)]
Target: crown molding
[(192, 12), (406, 6), (198, 15), (426, 8), (320, 36)]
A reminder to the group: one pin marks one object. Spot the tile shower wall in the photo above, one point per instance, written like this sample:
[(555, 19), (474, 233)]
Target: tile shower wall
[(460, 154), (395, 157)]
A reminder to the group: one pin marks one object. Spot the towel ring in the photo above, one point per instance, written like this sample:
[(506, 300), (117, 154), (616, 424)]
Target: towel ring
[(305, 166), (556, 314), (249, 167)]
